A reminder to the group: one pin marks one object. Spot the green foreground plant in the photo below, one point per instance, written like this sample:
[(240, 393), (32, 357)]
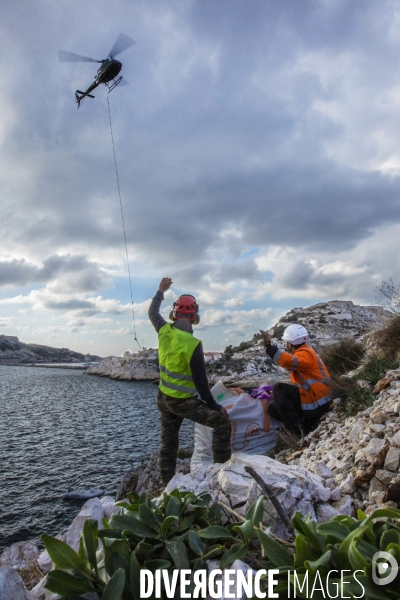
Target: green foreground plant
[(183, 530)]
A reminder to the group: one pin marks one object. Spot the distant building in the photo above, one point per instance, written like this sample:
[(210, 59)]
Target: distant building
[(212, 356)]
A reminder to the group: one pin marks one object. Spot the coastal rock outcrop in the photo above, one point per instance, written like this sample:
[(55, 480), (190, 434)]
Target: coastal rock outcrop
[(140, 366), (13, 351)]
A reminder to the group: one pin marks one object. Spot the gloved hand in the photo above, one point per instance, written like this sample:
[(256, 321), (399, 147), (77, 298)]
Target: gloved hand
[(266, 338)]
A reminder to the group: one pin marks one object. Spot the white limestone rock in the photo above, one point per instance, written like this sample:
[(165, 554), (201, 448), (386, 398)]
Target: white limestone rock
[(108, 506), (12, 587), (297, 488), (396, 439), (20, 555), (373, 448), (392, 459), (358, 429), (92, 509)]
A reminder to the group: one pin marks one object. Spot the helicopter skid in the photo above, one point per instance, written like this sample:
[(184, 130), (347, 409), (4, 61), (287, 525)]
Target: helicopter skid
[(116, 82)]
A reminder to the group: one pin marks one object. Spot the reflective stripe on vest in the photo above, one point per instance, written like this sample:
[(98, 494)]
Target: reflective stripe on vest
[(175, 351), (314, 405)]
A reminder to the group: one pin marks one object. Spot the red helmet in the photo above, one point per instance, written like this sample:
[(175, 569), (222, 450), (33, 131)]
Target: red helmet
[(185, 307)]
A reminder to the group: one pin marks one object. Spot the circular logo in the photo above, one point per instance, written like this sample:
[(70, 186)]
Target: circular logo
[(384, 568)]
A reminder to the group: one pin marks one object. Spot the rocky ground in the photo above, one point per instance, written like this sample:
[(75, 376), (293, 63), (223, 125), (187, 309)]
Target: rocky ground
[(359, 456), (12, 352)]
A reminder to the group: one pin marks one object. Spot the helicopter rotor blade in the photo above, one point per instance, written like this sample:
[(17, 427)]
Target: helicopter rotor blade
[(122, 43), (64, 56)]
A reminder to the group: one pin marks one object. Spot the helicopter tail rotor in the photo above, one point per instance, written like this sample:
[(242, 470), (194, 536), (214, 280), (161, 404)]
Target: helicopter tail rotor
[(122, 43)]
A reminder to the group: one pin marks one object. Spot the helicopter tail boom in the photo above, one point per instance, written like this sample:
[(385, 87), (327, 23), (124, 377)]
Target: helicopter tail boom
[(82, 95)]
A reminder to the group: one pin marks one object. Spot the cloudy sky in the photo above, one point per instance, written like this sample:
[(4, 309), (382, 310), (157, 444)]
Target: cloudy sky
[(258, 149)]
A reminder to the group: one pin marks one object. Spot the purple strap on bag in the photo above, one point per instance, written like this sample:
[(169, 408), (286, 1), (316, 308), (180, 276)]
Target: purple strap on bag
[(262, 393)]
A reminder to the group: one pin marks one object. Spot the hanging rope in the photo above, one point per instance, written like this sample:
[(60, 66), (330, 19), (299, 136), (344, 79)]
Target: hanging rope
[(123, 223)]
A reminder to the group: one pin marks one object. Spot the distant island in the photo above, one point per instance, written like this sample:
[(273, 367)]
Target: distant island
[(14, 352)]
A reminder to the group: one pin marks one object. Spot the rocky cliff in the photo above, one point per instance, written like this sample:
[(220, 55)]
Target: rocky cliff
[(246, 364), (12, 352)]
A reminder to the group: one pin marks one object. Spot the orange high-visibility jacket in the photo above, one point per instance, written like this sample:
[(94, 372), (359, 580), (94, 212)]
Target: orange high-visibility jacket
[(309, 373)]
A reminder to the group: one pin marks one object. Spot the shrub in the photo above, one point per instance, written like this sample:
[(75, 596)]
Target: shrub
[(354, 396), (388, 338), (373, 369), (343, 356), (323, 552), (182, 531)]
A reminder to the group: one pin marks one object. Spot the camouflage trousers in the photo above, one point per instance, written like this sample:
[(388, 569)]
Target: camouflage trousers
[(173, 411)]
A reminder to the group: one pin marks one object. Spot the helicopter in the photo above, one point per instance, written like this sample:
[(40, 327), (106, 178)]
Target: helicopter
[(108, 71)]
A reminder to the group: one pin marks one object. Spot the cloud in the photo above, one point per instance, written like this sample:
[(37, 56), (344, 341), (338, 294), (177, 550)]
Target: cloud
[(73, 272), (257, 154)]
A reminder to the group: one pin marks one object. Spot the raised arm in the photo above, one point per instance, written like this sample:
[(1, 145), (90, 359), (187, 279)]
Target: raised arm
[(154, 310)]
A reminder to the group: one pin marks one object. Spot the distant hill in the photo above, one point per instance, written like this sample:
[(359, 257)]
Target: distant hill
[(12, 352), (328, 322)]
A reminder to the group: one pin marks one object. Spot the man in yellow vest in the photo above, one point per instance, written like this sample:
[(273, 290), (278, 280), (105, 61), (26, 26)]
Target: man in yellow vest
[(184, 392), (302, 403)]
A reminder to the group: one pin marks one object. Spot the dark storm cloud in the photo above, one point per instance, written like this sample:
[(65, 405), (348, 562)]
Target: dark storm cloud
[(70, 305), (87, 276)]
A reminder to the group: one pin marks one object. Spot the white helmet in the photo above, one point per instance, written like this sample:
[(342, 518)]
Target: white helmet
[(295, 334)]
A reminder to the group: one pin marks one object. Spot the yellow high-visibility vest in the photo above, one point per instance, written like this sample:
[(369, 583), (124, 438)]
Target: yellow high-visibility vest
[(175, 351)]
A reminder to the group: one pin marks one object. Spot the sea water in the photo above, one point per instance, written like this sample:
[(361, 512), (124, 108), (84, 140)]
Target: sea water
[(61, 429)]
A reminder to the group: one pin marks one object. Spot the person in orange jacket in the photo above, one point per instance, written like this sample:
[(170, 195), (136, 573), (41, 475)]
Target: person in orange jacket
[(302, 403)]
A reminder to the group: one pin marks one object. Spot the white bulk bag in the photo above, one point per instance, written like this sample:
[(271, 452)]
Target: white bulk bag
[(253, 431)]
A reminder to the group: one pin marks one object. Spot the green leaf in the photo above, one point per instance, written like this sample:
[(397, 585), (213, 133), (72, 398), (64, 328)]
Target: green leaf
[(156, 564), (347, 552), (315, 565), (217, 532), (391, 513), (185, 523), (196, 544), (236, 552), (65, 584), (62, 555), (303, 527), (212, 552), (135, 577), (167, 524), (115, 534), (389, 537), (132, 523), (333, 529), (361, 516), (149, 517), (245, 530), (303, 551), (276, 553), (90, 538), (143, 550), (174, 507), (115, 587), (256, 512), (178, 553)]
